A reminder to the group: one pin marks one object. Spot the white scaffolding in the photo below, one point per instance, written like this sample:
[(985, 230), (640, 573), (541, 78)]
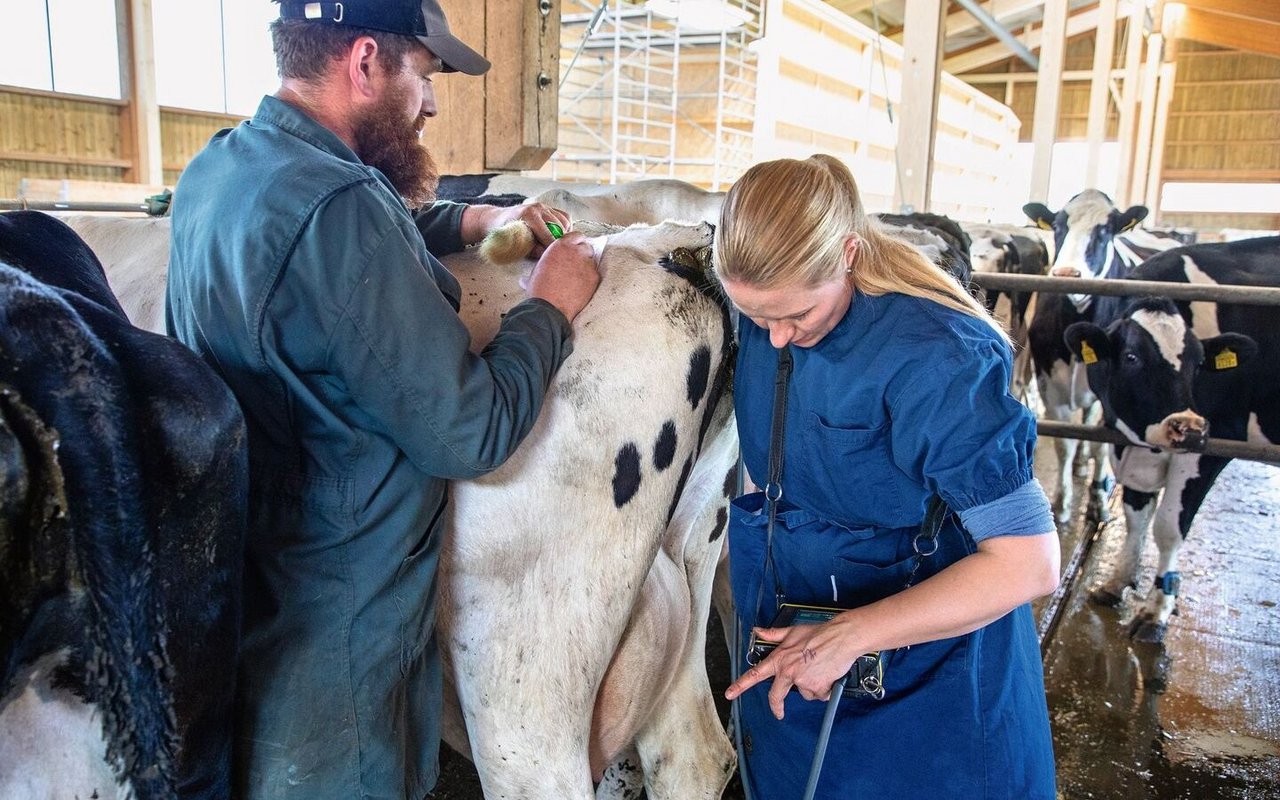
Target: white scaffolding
[(644, 95)]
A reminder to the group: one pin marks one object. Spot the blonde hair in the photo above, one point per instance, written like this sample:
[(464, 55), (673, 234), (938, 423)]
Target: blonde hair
[(785, 223)]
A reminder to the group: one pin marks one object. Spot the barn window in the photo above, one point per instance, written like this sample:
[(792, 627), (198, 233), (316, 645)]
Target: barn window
[(62, 46), (227, 70)]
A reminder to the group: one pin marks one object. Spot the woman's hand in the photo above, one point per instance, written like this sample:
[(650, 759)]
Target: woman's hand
[(478, 220), (810, 657)]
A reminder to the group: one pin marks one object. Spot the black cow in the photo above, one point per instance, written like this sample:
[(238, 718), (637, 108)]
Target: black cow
[(123, 473), (1088, 243), (940, 237), (1003, 249), (1170, 374)]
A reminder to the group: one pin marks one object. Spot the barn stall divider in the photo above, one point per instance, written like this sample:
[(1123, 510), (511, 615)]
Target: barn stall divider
[(1115, 287)]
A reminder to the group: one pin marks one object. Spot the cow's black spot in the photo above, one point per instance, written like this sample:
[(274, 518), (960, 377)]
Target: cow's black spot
[(722, 516), (664, 450), (626, 474), (684, 476), (699, 373), (731, 481)]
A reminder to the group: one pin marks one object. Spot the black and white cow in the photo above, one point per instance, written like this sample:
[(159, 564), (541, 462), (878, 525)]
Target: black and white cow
[(123, 484), (1168, 375), (1089, 235), (940, 238), (1012, 251)]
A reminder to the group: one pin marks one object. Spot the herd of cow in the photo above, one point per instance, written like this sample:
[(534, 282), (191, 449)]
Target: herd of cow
[(574, 649)]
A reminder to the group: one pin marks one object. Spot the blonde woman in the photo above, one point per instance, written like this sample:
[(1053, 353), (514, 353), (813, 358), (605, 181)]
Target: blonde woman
[(898, 394)]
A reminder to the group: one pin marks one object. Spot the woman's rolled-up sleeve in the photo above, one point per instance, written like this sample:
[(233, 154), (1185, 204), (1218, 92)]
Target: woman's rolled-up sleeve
[(957, 428)]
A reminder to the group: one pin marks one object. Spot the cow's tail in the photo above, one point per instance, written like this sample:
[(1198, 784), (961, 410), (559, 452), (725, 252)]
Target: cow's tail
[(507, 244)]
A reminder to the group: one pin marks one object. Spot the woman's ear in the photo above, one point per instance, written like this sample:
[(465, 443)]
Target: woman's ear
[(851, 245)]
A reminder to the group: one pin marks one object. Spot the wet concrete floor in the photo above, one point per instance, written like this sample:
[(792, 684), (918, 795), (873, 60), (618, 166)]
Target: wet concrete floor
[(1194, 718)]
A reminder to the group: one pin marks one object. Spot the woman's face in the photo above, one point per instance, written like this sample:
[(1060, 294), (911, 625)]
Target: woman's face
[(793, 314)]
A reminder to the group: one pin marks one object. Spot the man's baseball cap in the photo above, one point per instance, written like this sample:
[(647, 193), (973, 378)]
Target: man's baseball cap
[(421, 18)]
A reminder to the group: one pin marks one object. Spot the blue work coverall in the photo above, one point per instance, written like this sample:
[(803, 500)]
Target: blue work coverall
[(299, 274)]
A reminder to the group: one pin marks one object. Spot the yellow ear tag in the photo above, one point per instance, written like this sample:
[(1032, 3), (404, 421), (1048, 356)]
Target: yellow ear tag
[(1087, 355), (1226, 360)]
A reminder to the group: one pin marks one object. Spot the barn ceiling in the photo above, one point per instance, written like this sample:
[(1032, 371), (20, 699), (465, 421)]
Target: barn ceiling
[(1249, 25)]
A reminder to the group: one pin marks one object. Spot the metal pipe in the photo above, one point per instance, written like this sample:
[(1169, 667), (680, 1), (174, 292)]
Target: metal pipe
[(1117, 287), (1000, 32), (55, 205), (1225, 448)]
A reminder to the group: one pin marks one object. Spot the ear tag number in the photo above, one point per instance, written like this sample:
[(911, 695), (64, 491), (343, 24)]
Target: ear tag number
[(1087, 355), (1226, 360)]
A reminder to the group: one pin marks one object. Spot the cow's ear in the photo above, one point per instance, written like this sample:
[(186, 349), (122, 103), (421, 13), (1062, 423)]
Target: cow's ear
[(1228, 351), (1011, 258), (1040, 214), (1088, 342), (1130, 219)]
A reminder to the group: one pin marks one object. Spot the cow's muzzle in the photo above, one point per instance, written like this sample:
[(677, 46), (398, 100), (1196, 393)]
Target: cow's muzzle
[(1066, 272), (1185, 430)]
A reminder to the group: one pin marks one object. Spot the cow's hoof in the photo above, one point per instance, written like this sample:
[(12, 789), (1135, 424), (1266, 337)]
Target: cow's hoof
[(1144, 630), (1105, 597)]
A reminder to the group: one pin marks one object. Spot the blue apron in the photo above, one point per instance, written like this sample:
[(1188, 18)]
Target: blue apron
[(961, 717)]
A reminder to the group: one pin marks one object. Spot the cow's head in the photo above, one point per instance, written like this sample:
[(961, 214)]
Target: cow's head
[(1084, 234), (1144, 368)]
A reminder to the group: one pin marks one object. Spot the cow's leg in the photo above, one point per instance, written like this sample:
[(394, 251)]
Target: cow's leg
[(1190, 478), (1102, 479), (1055, 393), (623, 779), (1139, 508)]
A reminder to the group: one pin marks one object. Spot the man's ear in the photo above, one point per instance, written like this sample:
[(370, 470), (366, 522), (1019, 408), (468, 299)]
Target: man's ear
[(362, 63)]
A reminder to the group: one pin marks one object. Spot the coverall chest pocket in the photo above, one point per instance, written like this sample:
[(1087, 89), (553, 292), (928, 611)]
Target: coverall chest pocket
[(854, 467)]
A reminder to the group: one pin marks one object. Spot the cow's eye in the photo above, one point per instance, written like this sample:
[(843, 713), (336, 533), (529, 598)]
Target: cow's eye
[(1131, 358)]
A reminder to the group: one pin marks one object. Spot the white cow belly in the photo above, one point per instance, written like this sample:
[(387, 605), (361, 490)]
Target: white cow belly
[(56, 738)]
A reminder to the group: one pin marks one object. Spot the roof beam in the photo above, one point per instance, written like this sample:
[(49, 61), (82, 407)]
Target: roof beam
[(1230, 31), (993, 25), (990, 53), (1265, 10)]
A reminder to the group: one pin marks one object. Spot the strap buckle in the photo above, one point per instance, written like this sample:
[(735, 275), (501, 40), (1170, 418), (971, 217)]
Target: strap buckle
[(316, 11)]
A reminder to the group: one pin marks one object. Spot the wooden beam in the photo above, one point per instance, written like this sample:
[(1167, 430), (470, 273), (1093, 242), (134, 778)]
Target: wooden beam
[(1129, 101), (918, 112), (961, 22), (1261, 10), (1104, 45), (991, 53), (1044, 127), (140, 119), (1155, 178), (1224, 30), (1146, 118)]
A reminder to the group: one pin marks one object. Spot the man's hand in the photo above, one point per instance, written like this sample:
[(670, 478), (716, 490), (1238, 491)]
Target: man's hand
[(478, 220), (566, 276)]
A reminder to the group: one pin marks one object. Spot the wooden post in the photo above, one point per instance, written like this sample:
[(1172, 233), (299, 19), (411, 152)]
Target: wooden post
[(918, 106), (1104, 43), (1044, 128), (1146, 118), (1129, 102), (140, 117), (1164, 97)]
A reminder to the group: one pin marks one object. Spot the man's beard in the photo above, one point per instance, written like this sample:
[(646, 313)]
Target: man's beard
[(385, 141)]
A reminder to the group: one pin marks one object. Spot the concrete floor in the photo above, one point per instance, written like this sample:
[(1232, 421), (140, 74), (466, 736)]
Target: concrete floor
[(1196, 718)]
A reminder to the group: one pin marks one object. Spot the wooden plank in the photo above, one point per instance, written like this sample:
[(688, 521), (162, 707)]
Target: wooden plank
[(918, 121), (1044, 129), (456, 136), (1256, 10), (67, 190), (1222, 175), (1256, 36), (522, 41), (982, 55), (61, 158), (1104, 45), (1146, 118)]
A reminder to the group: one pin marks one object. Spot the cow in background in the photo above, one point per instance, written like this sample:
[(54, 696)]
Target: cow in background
[(940, 238), (1012, 251), (134, 252), (1169, 375), (1090, 242), (639, 202), (123, 484)]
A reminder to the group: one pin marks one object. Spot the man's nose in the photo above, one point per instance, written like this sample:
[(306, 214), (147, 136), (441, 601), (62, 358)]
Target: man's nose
[(429, 101)]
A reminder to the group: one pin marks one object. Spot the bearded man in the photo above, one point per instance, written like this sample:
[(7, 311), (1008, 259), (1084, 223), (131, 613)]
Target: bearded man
[(299, 273)]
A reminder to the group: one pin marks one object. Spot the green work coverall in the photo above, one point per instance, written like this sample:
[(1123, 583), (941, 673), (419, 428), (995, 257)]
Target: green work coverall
[(298, 273)]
